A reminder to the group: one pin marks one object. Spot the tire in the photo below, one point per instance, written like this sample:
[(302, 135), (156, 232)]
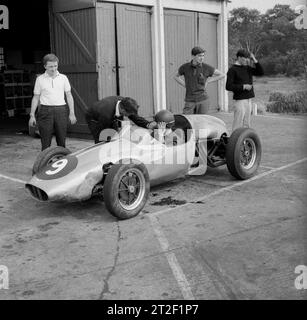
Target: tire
[(126, 177), (47, 156), (243, 153)]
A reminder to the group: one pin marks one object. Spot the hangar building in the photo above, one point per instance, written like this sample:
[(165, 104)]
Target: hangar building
[(127, 47)]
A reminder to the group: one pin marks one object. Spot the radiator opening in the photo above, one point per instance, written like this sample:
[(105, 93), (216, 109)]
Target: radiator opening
[(37, 192)]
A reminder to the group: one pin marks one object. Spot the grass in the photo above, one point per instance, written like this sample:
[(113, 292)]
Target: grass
[(294, 102), (264, 86)]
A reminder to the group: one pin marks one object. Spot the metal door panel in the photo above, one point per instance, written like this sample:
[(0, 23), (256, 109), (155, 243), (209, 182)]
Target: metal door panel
[(207, 38), (73, 37), (135, 55), (106, 49), (180, 38)]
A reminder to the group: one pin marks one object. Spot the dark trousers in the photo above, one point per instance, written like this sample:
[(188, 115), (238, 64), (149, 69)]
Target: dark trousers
[(52, 119), (95, 128)]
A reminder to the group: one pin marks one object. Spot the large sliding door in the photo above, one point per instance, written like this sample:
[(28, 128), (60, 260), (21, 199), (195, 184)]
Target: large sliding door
[(125, 54), (106, 50), (73, 36), (135, 56), (180, 37)]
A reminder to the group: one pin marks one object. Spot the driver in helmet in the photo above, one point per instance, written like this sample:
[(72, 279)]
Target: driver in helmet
[(166, 125)]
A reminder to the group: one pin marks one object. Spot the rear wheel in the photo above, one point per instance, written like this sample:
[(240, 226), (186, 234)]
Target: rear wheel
[(243, 153), (126, 190), (48, 156)]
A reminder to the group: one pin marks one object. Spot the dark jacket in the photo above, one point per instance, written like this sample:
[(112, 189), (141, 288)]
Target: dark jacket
[(239, 75), (101, 115)]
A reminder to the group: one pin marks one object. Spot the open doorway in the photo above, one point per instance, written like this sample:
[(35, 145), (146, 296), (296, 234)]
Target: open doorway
[(22, 47)]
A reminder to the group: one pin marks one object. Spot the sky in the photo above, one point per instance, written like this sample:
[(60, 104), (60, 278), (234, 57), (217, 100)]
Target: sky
[(264, 5)]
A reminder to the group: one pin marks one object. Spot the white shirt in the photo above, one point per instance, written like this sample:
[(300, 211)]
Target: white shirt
[(117, 114), (51, 90), (126, 120)]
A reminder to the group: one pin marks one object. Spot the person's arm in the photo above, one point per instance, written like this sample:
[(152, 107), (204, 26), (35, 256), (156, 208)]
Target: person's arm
[(257, 70), (142, 122), (70, 102), (179, 79), (217, 75), (34, 104)]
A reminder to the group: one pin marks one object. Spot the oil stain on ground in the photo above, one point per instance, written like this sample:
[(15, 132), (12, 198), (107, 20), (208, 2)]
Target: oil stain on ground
[(168, 201), (47, 226)]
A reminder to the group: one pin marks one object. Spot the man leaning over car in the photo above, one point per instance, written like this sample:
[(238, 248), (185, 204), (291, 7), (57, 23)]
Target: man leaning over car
[(110, 111)]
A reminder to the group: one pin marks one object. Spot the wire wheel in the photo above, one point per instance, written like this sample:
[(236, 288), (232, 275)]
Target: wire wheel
[(243, 153), (131, 189), (126, 189), (248, 153)]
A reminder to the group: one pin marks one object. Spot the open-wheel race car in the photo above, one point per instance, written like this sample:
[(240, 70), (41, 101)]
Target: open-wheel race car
[(125, 164)]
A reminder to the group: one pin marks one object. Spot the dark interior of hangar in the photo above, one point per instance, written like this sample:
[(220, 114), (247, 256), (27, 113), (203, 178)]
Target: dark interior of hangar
[(22, 47)]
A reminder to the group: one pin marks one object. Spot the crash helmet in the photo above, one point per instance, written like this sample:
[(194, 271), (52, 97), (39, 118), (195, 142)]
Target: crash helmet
[(164, 116)]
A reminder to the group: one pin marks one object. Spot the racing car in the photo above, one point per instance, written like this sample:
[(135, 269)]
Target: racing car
[(124, 165)]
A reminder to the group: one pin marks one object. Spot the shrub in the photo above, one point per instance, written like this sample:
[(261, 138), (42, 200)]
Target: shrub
[(295, 102), (291, 64), (275, 63), (296, 63)]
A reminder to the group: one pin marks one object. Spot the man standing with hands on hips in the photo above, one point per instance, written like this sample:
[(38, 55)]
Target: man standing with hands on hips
[(195, 76), (240, 82), (53, 114)]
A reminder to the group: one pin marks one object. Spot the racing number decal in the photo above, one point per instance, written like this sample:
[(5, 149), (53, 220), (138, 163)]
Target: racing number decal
[(59, 168), (58, 165)]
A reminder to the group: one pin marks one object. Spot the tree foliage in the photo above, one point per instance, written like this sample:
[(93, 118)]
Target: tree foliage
[(272, 37), (245, 28)]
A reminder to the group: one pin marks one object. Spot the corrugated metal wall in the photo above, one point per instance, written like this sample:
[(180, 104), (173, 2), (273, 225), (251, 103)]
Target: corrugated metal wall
[(131, 39), (107, 50), (207, 35), (82, 24), (135, 55), (106, 53), (74, 41), (180, 37), (184, 30)]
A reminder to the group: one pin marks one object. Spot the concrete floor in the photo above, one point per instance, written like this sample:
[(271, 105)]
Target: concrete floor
[(208, 237)]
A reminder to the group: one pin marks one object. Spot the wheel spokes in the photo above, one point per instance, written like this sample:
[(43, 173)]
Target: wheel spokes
[(247, 153), (130, 188)]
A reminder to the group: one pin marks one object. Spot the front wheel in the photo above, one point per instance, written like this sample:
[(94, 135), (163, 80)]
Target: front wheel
[(48, 156), (126, 190), (243, 153)]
